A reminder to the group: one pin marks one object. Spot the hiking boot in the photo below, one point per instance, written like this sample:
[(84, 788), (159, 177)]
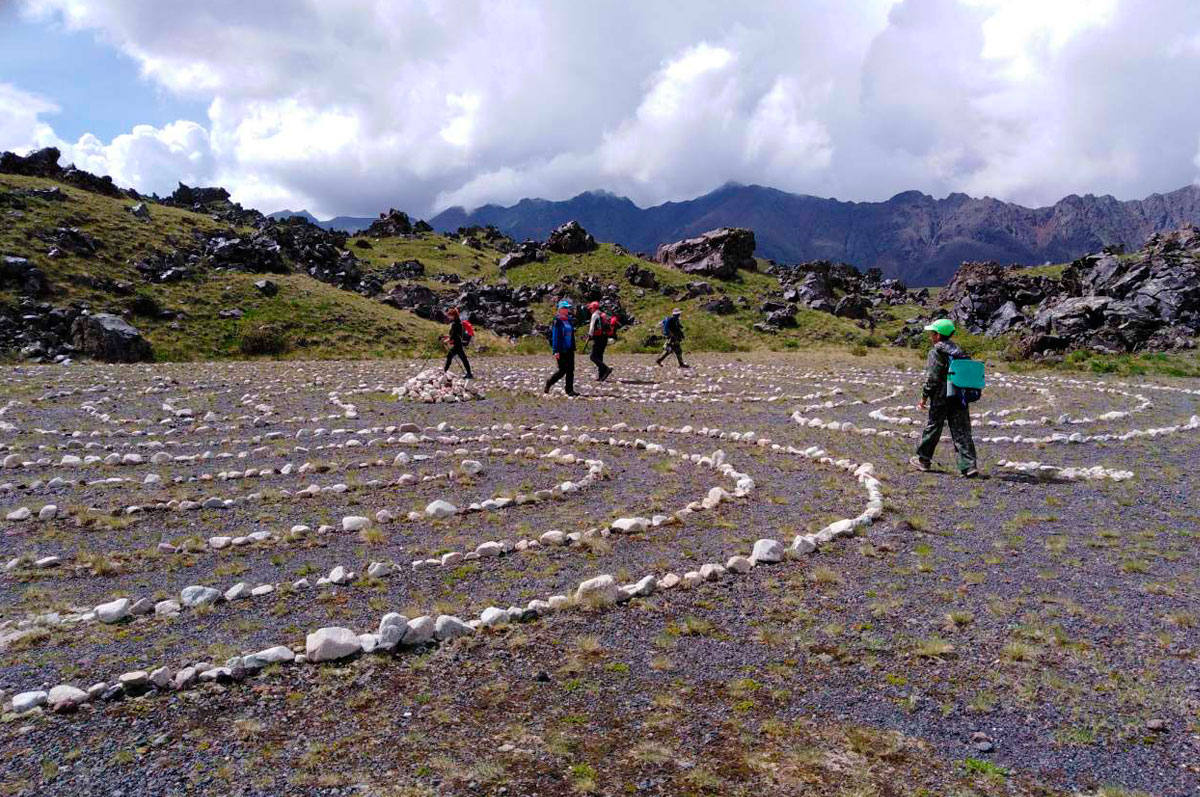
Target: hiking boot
[(572, 394), (685, 365), (546, 389), (970, 473), (918, 464)]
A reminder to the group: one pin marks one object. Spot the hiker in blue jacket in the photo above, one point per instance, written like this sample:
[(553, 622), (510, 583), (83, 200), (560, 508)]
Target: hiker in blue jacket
[(562, 343), (673, 338)]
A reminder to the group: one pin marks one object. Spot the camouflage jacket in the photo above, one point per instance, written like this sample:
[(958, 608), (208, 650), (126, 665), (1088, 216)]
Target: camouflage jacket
[(937, 366)]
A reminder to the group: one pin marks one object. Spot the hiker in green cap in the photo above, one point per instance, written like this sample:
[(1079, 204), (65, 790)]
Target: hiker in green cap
[(943, 409)]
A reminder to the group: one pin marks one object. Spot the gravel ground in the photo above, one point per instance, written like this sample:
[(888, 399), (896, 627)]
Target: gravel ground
[(1007, 635)]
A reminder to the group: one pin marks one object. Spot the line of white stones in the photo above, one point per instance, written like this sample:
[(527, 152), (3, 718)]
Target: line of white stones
[(396, 631), (120, 609), (299, 532)]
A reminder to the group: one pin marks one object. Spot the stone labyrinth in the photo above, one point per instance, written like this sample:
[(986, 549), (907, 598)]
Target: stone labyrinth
[(169, 526)]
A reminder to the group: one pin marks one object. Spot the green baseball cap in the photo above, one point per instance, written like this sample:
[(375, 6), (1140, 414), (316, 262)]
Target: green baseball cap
[(943, 326)]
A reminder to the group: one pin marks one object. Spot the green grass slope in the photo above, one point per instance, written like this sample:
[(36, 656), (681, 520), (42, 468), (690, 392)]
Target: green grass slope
[(306, 319)]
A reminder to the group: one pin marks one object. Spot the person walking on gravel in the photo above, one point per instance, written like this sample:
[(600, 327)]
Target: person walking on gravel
[(943, 409), (598, 333), (673, 332), (562, 343), (456, 341)]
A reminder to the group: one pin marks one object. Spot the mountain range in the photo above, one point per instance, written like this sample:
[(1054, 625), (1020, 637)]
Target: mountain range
[(912, 236)]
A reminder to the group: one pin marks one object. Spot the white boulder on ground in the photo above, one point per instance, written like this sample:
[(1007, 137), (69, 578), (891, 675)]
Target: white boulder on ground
[(331, 644), (598, 591), (769, 551), (440, 509), (354, 523), (113, 611), (433, 386)]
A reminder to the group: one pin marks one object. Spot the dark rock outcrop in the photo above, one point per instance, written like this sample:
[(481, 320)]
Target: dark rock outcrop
[(717, 253), (570, 239), (392, 224), (110, 338), (19, 273), (1108, 302)]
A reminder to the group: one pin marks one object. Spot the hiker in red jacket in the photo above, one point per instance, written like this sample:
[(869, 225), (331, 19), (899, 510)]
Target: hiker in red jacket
[(456, 342)]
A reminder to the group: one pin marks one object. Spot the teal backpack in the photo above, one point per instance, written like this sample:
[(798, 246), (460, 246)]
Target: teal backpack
[(965, 380)]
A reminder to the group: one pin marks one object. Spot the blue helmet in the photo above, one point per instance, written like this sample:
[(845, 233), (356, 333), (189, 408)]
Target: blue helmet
[(565, 303)]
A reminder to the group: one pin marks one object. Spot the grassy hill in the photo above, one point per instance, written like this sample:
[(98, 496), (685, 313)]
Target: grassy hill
[(312, 319)]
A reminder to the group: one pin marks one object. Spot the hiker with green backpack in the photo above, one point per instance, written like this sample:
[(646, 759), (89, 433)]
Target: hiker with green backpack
[(952, 382)]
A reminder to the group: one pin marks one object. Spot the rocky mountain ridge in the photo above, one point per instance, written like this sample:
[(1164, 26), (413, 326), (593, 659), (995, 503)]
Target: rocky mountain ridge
[(912, 236)]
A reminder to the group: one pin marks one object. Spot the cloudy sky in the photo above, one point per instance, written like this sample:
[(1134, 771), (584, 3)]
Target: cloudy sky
[(352, 106)]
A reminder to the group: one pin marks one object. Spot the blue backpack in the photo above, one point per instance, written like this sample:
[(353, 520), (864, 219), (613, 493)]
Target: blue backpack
[(666, 326)]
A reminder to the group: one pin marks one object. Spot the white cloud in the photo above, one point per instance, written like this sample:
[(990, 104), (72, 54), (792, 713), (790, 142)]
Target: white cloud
[(21, 125), (357, 105)]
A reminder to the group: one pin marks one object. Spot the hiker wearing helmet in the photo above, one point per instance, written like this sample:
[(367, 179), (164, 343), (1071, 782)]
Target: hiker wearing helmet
[(673, 332), (598, 334), (455, 342), (941, 409), (562, 343)]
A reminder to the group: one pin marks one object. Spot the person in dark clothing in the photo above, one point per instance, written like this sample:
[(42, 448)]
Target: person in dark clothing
[(455, 342), (673, 329), (562, 343), (598, 338), (944, 409)]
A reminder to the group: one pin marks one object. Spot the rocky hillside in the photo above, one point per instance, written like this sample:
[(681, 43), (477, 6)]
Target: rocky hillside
[(198, 277), (1110, 302), (912, 236)]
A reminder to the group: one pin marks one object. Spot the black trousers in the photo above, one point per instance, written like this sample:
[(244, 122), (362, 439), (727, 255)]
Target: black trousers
[(458, 351), (672, 347), (566, 368), (597, 356)]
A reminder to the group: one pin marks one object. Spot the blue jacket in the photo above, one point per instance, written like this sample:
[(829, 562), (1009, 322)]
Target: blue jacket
[(562, 336)]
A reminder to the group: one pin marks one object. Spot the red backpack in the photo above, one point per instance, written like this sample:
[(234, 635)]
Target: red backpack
[(468, 332), (608, 325)]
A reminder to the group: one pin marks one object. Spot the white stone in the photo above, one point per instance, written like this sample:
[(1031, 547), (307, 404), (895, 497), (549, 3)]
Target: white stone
[(113, 611), (553, 538), (355, 523), (630, 525), (238, 590), (739, 564), (330, 644), (194, 596), (440, 509), (65, 697), (470, 467), (19, 514), (598, 591), (28, 701), (420, 631), (392, 629), (489, 549), (219, 543), (48, 512), (449, 627), (492, 617), (804, 544), (769, 551), (166, 608)]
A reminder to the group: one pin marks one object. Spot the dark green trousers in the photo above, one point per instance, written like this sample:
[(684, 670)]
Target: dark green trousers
[(956, 414)]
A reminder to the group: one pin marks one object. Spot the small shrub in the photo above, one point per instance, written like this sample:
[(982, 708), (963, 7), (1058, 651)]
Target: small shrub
[(266, 340)]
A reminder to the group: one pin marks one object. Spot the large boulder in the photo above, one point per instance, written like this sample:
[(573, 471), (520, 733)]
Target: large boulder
[(41, 163), (717, 253), (110, 338), (570, 239)]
